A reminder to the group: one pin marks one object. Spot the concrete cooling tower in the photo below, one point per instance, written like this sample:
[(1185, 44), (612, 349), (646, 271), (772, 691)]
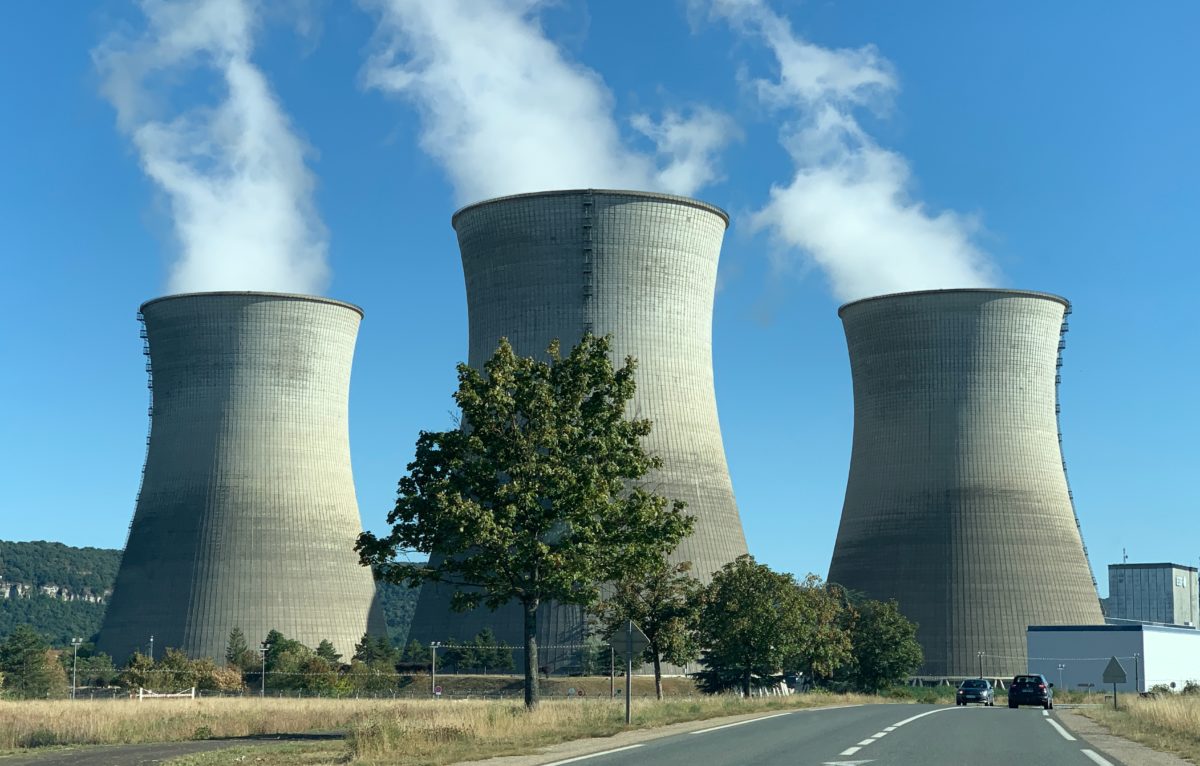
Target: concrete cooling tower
[(957, 503), (642, 267), (247, 516)]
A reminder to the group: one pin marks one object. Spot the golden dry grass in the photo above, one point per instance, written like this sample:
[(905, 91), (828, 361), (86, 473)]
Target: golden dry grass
[(1169, 723), (379, 731)]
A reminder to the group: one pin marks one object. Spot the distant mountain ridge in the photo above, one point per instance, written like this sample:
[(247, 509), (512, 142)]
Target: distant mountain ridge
[(62, 591)]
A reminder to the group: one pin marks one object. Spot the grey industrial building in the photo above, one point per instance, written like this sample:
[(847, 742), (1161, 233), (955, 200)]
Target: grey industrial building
[(957, 503), (1153, 593), (642, 267), (247, 515)]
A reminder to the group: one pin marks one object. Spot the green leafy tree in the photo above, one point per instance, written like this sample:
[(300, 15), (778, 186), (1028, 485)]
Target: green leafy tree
[(536, 499), (664, 602), (238, 653), (885, 646), (29, 669), (752, 623), (416, 653), (326, 652), (824, 644), (137, 673), (375, 649)]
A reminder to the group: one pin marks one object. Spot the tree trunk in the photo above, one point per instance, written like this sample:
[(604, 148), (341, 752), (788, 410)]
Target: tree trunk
[(657, 674), (531, 653), (746, 683)]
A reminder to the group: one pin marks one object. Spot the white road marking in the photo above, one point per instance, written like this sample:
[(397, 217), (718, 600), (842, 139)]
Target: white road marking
[(853, 763), (889, 728), (850, 751), (865, 742), (774, 715), (594, 755), (1092, 754), (879, 735), (1066, 735), (743, 723), (898, 724)]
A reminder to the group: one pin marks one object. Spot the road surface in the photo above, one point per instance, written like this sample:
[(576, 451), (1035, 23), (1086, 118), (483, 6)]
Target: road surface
[(880, 735)]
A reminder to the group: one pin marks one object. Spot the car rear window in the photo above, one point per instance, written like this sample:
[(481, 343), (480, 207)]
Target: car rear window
[(974, 684)]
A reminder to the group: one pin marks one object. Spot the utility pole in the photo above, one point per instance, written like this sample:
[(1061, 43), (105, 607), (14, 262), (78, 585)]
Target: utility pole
[(980, 654), (1060, 675), (433, 647), (628, 670), (263, 690), (152, 647), (75, 642), (612, 671)]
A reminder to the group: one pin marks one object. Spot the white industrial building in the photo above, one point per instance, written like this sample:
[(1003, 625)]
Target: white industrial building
[(1074, 656)]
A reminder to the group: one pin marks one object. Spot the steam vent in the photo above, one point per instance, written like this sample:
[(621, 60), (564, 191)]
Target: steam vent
[(957, 504), (247, 516), (642, 267)]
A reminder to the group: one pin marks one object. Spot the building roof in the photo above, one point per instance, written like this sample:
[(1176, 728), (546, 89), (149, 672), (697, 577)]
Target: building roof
[(1162, 565)]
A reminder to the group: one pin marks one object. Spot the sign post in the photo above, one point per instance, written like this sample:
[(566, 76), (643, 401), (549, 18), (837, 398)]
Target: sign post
[(1114, 674)]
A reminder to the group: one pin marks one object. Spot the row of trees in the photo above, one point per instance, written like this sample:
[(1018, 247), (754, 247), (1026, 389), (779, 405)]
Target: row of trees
[(538, 497)]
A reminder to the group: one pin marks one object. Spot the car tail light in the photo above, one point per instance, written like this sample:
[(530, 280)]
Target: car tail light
[(1041, 686)]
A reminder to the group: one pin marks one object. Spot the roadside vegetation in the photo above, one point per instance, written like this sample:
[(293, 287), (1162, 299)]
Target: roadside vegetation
[(1168, 722), (400, 732)]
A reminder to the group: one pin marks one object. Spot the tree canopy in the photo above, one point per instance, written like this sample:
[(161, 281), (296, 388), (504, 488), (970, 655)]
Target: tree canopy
[(664, 602), (536, 498)]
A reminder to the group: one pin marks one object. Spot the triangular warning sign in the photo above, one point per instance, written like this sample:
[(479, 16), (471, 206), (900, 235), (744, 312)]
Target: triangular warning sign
[(1114, 673)]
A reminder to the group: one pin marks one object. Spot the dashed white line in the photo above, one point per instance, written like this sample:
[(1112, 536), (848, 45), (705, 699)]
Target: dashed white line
[(594, 755), (1097, 758), (1066, 735), (850, 751), (865, 742), (879, 735), (889, 728)]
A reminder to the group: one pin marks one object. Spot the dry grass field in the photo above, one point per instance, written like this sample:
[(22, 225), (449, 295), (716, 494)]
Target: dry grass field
[(1169, 723), (405, 732)]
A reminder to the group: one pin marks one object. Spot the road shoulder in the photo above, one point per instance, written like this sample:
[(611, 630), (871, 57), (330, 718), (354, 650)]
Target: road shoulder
[(1124, 750), (594, 745)]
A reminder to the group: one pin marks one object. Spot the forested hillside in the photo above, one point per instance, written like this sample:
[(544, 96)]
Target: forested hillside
[(62, 592)]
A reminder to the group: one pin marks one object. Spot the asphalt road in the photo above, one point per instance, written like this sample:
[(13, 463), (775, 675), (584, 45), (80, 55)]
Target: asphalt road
[(881, 735)]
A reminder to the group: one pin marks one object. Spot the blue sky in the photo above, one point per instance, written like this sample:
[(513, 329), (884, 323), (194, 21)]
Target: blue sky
[(1034, 145)]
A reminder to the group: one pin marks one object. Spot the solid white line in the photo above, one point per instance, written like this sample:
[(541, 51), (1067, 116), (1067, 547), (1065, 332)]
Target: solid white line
[(1096, 757), (865, 742), (595, 755), (743, 723), (1061, 730), (1045, 712), (850, 751), (898, 724)]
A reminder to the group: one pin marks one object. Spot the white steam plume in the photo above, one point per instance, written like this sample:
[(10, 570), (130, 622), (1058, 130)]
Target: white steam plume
[(504, 110), (241, 196), (848, 206)]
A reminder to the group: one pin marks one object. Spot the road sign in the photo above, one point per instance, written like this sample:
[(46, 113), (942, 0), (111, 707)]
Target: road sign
[(1114, 673), (640, 643), (437, 690)]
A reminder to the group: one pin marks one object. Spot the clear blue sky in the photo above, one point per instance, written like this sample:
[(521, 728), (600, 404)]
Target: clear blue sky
[(1059, 139)]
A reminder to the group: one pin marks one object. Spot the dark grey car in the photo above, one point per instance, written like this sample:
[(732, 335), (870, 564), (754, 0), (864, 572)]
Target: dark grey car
[(975, 690)]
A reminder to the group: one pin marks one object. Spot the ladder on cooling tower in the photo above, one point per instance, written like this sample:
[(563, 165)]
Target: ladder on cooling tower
[(588, 252), (1062, 346)]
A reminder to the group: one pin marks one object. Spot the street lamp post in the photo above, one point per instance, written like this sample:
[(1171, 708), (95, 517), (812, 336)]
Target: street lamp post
[(75, 642), (433, 647), (1137, 676), (152, 647), (262, 692), (980, 654), (1060, 675)]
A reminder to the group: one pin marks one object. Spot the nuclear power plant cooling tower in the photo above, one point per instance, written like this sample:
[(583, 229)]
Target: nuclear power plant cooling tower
[(247, 515), (957, 503), (642, 267)]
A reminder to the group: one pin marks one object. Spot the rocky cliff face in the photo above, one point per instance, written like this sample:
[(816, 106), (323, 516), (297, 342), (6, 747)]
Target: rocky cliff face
[(14, 590)]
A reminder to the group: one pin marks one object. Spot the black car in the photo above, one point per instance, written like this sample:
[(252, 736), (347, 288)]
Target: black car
[(975, 690), (1031, 689)]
